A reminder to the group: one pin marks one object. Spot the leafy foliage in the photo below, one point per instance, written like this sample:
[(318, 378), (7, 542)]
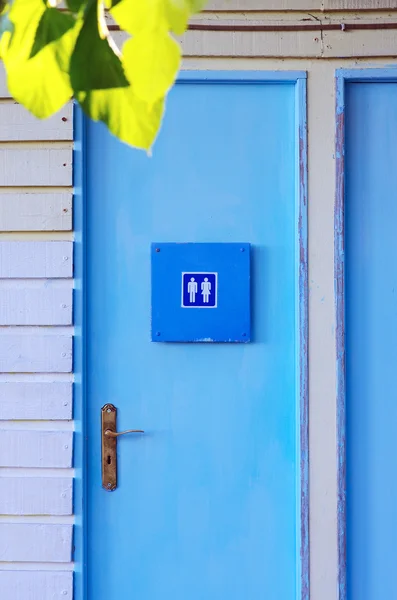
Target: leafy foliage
[(52, 54)]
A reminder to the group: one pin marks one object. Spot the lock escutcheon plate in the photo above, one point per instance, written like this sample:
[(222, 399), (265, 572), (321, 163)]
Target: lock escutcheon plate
[(109, 447)]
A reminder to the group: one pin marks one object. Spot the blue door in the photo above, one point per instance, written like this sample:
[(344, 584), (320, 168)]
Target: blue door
[(207, 504), (371, 339)]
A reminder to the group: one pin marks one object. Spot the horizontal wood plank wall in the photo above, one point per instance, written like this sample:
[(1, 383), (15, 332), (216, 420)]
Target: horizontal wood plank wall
[(294, 43), (35, 353), (35, 400), (36, 404), (17, 124), (36, 259), (28, 542), (43, 165), (40, 211), (36, 585), (33, 496), (45, 304), (24, 448), (299, 5)]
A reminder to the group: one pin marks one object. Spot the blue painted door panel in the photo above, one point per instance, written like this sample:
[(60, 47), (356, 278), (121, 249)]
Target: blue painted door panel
[(371, 339), (207, 499)]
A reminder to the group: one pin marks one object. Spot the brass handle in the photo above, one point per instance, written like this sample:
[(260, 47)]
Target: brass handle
[(115, 434), (109, 436)]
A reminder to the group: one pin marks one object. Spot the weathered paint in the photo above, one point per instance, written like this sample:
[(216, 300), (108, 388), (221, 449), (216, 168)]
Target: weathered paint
[(302, 349), (340, 334)]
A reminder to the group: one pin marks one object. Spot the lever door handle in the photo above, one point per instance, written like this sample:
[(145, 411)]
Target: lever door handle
[(109, 435), (114, 434)]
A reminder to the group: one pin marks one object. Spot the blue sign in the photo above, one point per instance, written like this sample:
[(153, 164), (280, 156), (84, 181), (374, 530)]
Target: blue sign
[(213, 278), (199, 290)]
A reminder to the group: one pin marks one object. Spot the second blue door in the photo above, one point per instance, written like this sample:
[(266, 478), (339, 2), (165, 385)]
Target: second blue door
[(371, 339)]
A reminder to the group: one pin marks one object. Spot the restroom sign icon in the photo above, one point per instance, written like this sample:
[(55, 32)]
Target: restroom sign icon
[(199, 290)]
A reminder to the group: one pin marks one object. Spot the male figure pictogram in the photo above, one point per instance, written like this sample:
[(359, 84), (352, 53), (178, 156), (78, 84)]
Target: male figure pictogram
[(192, 290)]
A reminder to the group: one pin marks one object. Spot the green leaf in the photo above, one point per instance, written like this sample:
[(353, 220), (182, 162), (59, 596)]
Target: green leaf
[(111, 3), (151, 61), (52, 26), (105, 94), (195, 5), (41, 83), (25, 15), (134, 16), (178, 15), (180, 11), (94, 64), (75, 5), (48, 55), (127, 117), (172, 15)]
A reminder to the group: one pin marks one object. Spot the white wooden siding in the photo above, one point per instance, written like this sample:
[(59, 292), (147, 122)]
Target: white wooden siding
[(35, 400), (18, 124), (4, 93), (363, 43), (25, 305), (29, 448), (289, 44), (262, 5), (28, 542), (36, 496), (36, 166), (36, 439), (358, 4), (36, 259), (28, 211), (31, 585), (299, 5), (253, 44), (35, 353)]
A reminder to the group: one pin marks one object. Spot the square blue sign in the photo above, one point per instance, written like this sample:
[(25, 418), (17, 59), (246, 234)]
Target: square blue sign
[(214, 279)]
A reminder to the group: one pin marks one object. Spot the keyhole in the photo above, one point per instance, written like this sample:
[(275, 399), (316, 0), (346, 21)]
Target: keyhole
[(109, 460)]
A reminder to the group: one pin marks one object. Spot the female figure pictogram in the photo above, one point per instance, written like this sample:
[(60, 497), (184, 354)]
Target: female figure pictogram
[(206, 290)]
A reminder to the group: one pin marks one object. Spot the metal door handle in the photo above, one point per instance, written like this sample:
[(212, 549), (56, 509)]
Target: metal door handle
[(114, 434), (109, 435)]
